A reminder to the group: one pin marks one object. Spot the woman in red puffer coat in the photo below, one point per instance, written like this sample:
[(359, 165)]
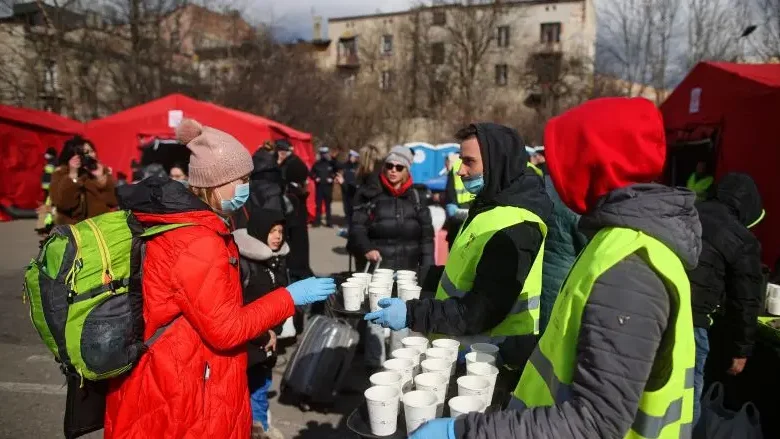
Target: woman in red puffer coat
[(192, 382)]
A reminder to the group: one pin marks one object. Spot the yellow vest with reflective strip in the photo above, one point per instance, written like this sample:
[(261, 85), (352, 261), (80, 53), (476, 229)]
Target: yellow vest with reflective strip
[(665, 413), (463, 197), (458, 277)]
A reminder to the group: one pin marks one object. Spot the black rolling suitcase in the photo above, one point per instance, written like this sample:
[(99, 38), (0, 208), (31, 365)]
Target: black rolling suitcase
[(316, 371)]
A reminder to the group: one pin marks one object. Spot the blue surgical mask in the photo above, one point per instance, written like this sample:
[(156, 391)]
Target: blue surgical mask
[(474, 184), (241, 194)]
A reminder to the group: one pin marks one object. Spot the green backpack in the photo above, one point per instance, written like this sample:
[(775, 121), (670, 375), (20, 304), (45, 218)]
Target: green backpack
[(84, 291)]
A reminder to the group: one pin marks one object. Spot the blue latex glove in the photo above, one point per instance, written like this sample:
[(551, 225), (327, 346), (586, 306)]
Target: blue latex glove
[(451, 209), (392, 315), (442, 428), (313, 289)]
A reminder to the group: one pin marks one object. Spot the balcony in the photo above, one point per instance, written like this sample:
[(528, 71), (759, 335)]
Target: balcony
[(548, 47), (348, 61)]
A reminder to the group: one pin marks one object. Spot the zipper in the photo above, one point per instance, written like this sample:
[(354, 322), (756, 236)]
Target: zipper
[(104, 253), (206, 377)]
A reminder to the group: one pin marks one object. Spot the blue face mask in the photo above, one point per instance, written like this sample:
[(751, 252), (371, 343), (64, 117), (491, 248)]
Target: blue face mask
[(474, 184), (241, 194)]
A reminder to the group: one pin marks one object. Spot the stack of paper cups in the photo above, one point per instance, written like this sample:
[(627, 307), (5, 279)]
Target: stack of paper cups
[(437, 365), (403, 366), (383, 407), (773, 299), (474, 386), (435, 383), (419, 343), (352, 294), (487, 371), (388, 378), (462, 405), (443, 354), (419, 408), (409, 354)]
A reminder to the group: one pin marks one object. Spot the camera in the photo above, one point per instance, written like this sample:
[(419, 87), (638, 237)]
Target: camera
[(88, 163)]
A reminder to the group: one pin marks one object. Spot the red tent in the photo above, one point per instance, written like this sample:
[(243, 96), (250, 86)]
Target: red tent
[(24, 136), (118, 137), (735, 107)]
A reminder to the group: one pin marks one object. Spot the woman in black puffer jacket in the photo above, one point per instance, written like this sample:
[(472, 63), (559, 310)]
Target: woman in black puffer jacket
[(391, 220)]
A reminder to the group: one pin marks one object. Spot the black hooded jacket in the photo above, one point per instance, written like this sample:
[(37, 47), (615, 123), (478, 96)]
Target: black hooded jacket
[(266, 185), (262, 269), (729, 272), (509, 254)]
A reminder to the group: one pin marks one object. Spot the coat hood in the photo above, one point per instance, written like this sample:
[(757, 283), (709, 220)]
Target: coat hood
[(603, 145), (740, 194), (264, 163), (254, 249), (261, 221), (508, 179), (665, 213), (157, 200)]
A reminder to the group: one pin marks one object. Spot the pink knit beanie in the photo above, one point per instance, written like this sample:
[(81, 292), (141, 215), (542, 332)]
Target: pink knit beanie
[(217, 157)]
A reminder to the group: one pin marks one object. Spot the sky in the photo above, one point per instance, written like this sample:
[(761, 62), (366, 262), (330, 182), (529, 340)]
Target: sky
[(294, 16)]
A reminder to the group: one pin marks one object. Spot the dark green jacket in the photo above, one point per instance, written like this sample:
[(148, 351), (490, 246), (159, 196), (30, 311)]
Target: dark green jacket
[(563, 244)]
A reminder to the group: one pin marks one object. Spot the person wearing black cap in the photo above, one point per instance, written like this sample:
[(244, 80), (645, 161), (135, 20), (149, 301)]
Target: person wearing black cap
[(295, 175), (263, 269), (324, 174)]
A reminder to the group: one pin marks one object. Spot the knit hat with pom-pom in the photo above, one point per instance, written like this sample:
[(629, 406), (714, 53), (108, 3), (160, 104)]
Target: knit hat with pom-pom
[(217, 157)]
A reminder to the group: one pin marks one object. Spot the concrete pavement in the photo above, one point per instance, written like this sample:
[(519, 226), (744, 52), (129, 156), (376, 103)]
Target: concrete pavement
[(32, 394)]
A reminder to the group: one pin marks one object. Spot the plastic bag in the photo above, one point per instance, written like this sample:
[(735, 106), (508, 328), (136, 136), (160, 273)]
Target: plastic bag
[(718, 422)]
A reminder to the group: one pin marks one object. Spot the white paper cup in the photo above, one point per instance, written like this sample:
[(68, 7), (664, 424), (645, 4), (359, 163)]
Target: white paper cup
[(773, 306), (436, 383), (479, 357), (375, 295), (485, 348), (388, 378), (409, 354), (383, 406), (405, 273), (484, 370), (419, 408), (447, 343), (409, 292), (437, 365), (444, 354), (772, 291), (462, 405), (403, 366), (384, 272), (471, 385), (353, 296), (362, 275), (419, 343)]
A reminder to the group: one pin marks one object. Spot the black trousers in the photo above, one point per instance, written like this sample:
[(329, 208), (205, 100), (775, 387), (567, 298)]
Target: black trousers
[(348, 196), (323, 199)]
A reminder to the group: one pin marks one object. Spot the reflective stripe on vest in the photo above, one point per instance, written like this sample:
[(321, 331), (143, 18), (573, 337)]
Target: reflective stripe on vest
[(665, 413), (463, 197), (458, 276)]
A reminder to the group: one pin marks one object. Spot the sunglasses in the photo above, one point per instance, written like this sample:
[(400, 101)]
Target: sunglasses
[(391, 166)]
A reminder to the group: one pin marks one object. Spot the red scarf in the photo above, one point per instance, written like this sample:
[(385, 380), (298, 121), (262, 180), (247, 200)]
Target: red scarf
[(393, 191)]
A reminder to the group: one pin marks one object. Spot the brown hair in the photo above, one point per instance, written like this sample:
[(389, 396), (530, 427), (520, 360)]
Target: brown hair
[(370, 158)]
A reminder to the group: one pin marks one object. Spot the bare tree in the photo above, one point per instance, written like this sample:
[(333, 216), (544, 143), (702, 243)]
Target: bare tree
[(714, 28), (766, 42)]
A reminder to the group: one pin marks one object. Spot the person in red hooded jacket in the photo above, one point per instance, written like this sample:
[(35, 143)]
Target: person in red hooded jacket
[(616, 360), (192, 382)]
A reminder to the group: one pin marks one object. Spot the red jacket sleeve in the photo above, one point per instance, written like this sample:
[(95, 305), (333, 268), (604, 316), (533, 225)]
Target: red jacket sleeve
[(209, 295)]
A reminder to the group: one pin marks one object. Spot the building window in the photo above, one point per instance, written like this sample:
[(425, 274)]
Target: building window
[(439, 18), (387, 44), (551, 33), (502, 74), (503, 36), (50, 77), (437, 53), (386, 80)]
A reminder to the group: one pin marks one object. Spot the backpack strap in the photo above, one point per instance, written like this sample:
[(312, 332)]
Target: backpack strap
[(417, 203), (160, 331), (158, 230)]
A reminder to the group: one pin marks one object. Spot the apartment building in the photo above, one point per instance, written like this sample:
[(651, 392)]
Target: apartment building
[(508, 37)]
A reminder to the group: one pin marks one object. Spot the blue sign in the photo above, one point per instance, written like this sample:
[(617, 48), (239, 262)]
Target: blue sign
[(430, 163)]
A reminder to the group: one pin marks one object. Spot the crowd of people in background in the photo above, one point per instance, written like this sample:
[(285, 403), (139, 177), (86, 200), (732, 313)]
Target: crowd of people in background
[(517, 219)]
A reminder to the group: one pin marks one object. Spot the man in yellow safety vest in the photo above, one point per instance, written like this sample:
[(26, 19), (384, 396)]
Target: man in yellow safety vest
[(617, 358), (700, 181), (490, 287)]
